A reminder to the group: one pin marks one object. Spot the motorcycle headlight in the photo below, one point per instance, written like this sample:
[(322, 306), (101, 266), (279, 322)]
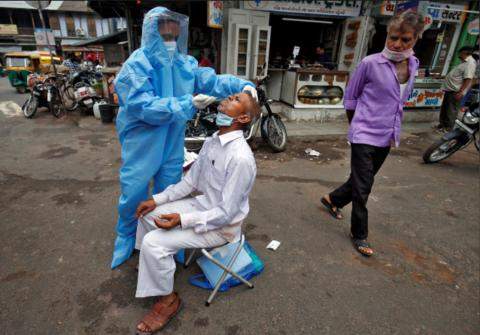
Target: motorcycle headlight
[(470, 118)]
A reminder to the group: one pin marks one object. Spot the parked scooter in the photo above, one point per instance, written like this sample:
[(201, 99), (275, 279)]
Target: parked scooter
[(465, 131), (85, 96), (80, 90), (271, 126)]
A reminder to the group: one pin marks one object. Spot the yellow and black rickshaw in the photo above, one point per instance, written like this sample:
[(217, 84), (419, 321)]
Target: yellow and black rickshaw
[(20, 64)]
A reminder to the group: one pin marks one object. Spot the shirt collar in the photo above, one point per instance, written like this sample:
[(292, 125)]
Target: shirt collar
[(382, 59), (228, 137)]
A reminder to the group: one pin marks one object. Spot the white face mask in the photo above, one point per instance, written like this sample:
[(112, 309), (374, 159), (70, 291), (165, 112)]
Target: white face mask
[(397, 56), (171, 47)]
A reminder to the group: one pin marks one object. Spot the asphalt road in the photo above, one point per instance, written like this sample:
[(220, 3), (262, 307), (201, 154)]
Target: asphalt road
[(58, 195)]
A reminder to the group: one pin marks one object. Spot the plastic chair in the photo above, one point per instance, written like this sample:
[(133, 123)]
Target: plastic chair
[(226, 269)]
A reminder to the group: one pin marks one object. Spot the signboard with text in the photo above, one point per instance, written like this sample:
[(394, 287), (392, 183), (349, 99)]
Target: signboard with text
[(8, 29), (311, 7), (425, 97), (405, 5), (44, 36), (444, 12)]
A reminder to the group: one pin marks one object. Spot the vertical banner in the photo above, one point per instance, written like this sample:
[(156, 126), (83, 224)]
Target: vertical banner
[(215, 14)]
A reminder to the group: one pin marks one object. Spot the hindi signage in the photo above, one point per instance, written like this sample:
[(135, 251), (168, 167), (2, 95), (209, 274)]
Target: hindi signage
[(310, 7), (405, 5), (444, 12), (425, 97)]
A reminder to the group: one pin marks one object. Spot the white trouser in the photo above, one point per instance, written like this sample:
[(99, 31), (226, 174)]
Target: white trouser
[(157, 247)]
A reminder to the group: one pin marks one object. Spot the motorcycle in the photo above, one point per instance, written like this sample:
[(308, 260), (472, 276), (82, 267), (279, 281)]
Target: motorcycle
[(37, 97), (464, 132), (272, 128), (43, 93)]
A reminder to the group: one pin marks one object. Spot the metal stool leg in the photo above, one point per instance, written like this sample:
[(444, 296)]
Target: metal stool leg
[(227, 270), (190, 258)]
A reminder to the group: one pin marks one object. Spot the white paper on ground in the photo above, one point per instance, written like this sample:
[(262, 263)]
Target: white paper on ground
[(312, 152), (273, 245)]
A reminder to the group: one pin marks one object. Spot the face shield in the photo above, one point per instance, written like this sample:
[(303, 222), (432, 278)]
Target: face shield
[(164, 30), (169, 30)]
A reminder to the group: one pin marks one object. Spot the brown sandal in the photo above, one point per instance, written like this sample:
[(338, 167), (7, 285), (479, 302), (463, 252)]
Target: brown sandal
[(160, 316), (362, 246), (335, 212)]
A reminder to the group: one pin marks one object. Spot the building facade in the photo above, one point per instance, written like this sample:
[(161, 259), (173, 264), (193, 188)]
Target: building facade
[(69, 21)]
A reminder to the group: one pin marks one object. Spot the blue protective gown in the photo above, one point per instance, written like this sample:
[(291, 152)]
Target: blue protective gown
[(155, 98)]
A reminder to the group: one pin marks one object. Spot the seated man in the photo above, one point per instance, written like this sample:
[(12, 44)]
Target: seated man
[(224, 174)]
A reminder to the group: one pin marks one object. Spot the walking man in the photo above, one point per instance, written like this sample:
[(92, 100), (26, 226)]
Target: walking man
[(374, 101)]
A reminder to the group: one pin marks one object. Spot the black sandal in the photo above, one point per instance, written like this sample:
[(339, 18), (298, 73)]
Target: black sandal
[(335, 212), (362, 246)]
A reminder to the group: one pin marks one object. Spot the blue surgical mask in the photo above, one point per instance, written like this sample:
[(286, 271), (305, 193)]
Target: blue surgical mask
[(171, 47), (223, 120)]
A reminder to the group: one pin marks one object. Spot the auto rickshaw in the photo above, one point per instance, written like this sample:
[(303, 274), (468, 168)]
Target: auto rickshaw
[(22, 63)]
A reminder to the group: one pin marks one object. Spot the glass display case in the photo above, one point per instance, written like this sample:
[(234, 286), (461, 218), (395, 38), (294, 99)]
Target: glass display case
[(261, 48), (320, 95), (314, 88), (242, 50)]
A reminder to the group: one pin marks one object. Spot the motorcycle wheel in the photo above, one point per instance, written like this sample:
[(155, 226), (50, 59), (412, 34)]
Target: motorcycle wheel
[(442, 149), (55, 105), (274, 132), (68, 93), (30, 106), (21, 89)]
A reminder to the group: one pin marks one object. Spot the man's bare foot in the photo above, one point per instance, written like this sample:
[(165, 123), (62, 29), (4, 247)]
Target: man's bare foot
[(333, 210), (162, 312)]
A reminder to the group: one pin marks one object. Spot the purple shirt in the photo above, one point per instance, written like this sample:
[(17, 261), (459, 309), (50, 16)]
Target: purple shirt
[(373, 91)]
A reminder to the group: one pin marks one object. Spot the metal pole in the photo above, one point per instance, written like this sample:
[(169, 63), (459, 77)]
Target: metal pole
[(46, 36), (128, 16)]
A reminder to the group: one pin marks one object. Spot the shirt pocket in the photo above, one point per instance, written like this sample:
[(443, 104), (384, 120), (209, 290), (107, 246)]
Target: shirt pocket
[(216, 177)]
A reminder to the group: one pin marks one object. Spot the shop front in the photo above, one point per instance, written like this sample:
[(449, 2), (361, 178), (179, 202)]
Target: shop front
[(435, 50), (306, 47)]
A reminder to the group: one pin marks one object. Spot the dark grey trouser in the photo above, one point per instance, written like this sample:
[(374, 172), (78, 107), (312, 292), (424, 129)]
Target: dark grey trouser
[(366, 160), (449, 110)]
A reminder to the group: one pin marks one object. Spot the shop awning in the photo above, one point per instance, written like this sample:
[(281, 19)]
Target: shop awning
[(113, 38), (69, 6), (93, 48), (70, 41), (16, 5)]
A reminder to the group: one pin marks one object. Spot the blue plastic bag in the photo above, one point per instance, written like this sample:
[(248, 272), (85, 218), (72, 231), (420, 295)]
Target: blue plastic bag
[(254, 268)]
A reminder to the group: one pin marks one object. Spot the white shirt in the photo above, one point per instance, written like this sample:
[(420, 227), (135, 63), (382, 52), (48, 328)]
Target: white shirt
[(402, 89), (465, 70), (224, 173)]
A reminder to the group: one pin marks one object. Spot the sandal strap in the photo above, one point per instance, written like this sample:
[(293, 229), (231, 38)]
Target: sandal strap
[(361, 243), (159, 305), (157, 320)]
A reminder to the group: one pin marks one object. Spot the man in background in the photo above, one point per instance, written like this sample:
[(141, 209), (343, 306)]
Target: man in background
[(456, 85)]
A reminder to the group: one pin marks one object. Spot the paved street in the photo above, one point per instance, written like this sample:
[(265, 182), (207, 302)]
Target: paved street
[(58, 194)]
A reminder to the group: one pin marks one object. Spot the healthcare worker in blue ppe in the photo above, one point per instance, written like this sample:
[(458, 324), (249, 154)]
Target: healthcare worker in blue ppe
[(155, 89)]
